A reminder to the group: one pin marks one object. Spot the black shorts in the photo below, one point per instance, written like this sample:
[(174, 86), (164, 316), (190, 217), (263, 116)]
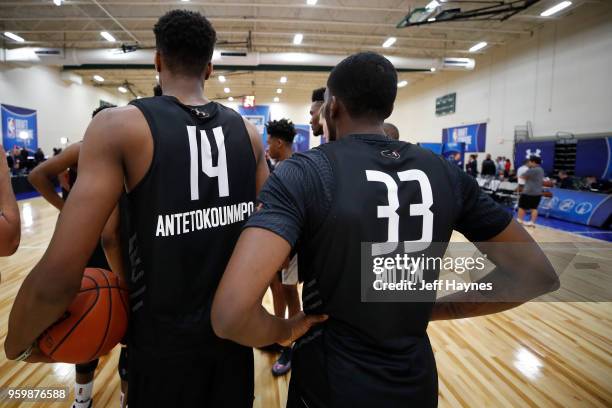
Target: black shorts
[(529, 202), (223, 379)]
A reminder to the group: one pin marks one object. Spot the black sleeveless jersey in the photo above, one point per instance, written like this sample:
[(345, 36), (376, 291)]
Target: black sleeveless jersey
[(185, 217)]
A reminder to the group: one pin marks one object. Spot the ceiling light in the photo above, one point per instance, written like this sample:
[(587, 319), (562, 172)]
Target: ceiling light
[(283, 80), (311, 2), (107, 36), (279, 91), (221, 78), (185, 1), (402, 84), (276, 99), (98, 78), (227, 90), (297, 39), (432, 5), (157, 77), (556, 9), (389, 42), (138, 97), (13, 36), (57, 2), (432, 69), (122, 89), (231, 98), (479, 46)]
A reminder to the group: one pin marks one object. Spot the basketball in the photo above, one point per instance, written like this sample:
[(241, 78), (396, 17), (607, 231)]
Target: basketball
[(93, 324)]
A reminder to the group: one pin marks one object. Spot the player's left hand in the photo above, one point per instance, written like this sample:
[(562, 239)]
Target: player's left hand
[(300, 324)]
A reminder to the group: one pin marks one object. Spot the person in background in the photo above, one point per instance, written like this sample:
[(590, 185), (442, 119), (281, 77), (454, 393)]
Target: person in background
[(471, 167), (10, 224), (39, 156), (23, 160), (564, 180), (519, 175), (284, 285), (315, 108), (532, 191), (391, 130), (507, 168), (488, 167)]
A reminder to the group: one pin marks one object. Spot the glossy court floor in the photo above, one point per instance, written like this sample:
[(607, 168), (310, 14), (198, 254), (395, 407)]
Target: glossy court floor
[(538, 355)]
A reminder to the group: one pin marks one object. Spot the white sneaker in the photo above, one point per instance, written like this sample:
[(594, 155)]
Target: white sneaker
[(520, 221)]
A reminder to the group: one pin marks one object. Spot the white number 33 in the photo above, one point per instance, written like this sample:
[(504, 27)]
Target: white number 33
[(390, 211)]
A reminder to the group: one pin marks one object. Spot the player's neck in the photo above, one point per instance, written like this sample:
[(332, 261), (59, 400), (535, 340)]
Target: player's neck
[(347, 128), (190, 91), (285, 154)]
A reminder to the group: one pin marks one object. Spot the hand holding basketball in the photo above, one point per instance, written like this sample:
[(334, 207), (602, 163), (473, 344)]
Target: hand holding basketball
[(93, 324)]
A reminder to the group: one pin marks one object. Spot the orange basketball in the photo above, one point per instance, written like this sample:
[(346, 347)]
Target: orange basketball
[(93, 324)]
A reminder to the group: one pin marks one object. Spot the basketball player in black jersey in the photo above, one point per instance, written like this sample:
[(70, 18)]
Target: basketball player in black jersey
[(191, 169), (65, 164), (331, 199), (284, 286), (10, 225)]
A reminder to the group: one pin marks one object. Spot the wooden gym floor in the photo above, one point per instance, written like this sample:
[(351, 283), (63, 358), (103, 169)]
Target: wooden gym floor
[(538, 355)]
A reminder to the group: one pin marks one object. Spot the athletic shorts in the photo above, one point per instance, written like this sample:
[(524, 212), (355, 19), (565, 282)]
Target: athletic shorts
[(220, 379), (529, 202), (289, 275)]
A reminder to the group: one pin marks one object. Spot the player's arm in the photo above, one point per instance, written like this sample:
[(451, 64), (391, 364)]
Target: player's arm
[(10, 226), (42, 176), (522, 271), (111, 243), (237, 312), (262, 171), (53, 283)]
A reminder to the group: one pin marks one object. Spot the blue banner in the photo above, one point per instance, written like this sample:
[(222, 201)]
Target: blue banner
[(434, 147), (258, 115), (594, 158), (474, 136), (301, 142), (582, 207), (19, 128), (454, 153), (543, 150)]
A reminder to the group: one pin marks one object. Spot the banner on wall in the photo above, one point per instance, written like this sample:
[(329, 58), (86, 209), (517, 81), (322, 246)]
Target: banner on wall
[(594, 158), (543, 150), (19, 127), (454, 153), (258, 115), (582, 207), (301, 142), (473, 136), (434, 147)]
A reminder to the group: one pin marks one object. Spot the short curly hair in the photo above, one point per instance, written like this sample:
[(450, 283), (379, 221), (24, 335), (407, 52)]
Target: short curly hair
[(318, 95), (186, 40), (366, 83), (282, 129)]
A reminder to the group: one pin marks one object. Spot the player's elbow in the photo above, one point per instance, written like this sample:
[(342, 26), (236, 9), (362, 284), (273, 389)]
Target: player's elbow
[(225, 319), (544, 279)]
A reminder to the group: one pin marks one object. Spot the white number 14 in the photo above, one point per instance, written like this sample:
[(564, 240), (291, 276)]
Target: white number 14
[(219, 171)]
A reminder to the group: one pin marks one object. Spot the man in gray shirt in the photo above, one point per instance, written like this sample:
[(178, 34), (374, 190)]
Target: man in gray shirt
[(532, 191)]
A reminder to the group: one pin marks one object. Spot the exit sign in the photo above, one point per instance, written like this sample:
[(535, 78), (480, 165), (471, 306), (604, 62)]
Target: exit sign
[(445, 105)]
